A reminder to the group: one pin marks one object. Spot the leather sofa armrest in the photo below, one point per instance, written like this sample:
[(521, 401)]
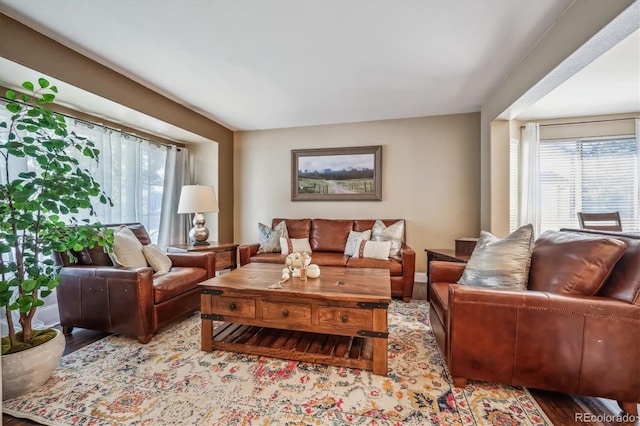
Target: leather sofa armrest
[(445, 272), (245, 252), (408, 271), (109, 298), (205, 260), (545, 340)]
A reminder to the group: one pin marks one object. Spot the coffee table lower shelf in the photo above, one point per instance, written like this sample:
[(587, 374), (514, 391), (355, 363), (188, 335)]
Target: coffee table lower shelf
[(344, 351)]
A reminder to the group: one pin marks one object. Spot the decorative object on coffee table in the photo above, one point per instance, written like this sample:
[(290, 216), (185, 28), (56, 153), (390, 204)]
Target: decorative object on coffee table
[(198, 199)]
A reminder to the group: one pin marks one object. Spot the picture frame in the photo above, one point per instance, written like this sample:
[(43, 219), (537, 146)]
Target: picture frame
[(337, 174)]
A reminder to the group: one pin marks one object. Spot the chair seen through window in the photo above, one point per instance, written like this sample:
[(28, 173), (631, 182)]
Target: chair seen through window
[(609, 221)]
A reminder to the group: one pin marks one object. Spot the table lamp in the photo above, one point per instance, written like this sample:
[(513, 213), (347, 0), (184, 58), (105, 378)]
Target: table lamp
[(198, 199)]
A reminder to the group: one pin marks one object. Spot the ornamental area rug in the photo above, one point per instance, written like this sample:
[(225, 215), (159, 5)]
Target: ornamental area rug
[(169, 381)]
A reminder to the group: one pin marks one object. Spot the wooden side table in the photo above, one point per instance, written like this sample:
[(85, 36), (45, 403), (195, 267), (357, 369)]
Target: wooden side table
[(447, 255), (226, 253)]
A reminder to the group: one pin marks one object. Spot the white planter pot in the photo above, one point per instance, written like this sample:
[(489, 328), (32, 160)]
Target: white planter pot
[(27, 370)]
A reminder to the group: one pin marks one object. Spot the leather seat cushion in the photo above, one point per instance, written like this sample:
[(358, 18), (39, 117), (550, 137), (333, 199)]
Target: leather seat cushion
[(394, 266), (329, 259), (179, 280)]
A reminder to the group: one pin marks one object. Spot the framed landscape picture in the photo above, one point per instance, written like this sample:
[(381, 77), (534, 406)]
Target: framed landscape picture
[(337, 174)]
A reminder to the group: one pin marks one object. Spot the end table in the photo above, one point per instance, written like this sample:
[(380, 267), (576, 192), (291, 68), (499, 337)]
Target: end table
[(226, 253)]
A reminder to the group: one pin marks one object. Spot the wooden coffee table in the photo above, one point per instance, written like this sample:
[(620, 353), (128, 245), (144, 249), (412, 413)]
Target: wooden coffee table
[(339, 318)]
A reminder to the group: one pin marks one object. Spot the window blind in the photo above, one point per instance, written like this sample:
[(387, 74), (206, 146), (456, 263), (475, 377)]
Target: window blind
[(589, 175)]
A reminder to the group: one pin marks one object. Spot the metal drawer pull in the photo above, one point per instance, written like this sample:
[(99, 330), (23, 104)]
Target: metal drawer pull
[(285, 313), (345, 318), (232, 307)]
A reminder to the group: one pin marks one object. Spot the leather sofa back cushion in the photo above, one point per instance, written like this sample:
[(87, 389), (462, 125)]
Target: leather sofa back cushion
[(330, 235), (572, 263), (296, 228), (624, 281)]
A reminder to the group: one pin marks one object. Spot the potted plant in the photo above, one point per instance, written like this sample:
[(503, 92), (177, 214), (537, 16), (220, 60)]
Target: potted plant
[(39, 209)]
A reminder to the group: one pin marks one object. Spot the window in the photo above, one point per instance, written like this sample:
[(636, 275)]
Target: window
[(592, 175), (130, 171), (514, 160)]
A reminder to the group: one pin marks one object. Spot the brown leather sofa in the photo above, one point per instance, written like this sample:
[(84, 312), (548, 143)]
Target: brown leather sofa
[(579, 344), (327, 238), (96, 295)]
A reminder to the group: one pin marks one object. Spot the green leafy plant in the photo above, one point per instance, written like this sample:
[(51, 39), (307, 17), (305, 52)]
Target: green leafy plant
[(38, 207)]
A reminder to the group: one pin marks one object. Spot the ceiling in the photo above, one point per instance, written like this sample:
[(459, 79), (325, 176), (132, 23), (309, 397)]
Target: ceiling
[(275, 64)]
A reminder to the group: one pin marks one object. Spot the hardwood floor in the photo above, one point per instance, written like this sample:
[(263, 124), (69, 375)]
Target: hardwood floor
[(562, 409)]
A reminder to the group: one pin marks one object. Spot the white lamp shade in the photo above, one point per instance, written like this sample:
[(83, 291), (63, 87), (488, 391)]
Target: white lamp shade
[(197, 199)]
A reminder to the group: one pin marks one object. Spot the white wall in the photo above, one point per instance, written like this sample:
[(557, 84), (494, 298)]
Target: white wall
[(430, 174)]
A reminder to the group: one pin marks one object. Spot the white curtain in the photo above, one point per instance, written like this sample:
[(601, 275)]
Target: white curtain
[(174, 227), (529, 211), (131, 172), (637, 120)]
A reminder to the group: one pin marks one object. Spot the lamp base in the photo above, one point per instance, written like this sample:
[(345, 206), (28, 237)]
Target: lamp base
[(199, 243)]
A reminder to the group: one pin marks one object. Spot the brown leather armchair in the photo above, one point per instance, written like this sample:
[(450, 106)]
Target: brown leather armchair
[(579, 344), (96, 295)]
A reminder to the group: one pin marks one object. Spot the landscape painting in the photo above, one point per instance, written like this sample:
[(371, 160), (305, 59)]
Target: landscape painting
[(335, 174)]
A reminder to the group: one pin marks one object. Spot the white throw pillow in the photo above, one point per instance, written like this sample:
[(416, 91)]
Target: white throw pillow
[(350, 247), (373, 249), (293, 245), (158, 260), (127, 249)]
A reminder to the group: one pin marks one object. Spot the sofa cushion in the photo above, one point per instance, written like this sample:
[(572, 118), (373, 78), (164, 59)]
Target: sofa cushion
[(394, 266), (296, 228), (500, 263), (157, 259), (127, 249), (268, 258), (330, 235), (140, 232), (354, 236), (572, 263), (269, 238), (624, 281), (394, 233), (323, 258), (178, 281)]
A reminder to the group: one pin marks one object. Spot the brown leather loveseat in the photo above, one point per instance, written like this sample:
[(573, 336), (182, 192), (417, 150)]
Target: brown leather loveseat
[(327, 238), (97, 295), (545, 338)]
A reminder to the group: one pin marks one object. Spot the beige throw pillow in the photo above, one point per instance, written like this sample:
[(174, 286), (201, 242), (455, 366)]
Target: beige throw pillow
[(157, 259), (293, 245), (127, 249), (372, 249), (351, 245), (500, 263)]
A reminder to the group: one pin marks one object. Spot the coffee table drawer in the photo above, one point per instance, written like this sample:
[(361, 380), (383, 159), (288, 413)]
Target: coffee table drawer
[(345, 317), (286, 313), (234, 306)]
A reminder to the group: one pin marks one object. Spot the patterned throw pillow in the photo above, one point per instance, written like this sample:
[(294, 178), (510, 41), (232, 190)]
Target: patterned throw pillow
[(500, 263), (373, 249), (350, 247), (269, 239), (393, 233), (293, 245)]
